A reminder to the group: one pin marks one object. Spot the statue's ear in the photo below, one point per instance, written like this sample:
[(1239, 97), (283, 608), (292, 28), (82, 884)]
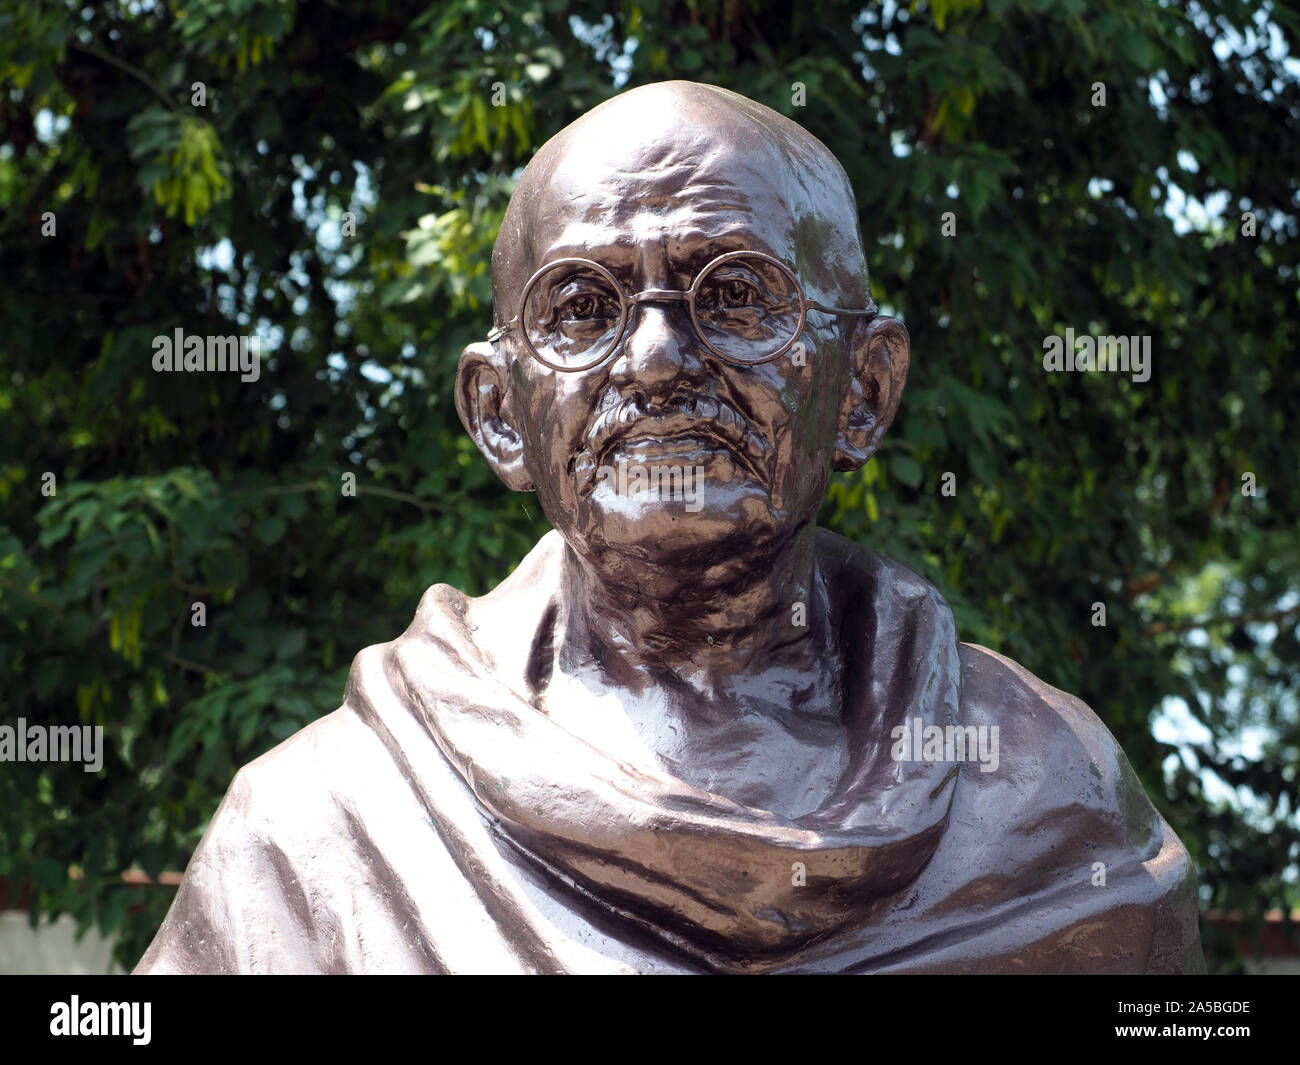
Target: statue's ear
[(879, 354), (482, 391)]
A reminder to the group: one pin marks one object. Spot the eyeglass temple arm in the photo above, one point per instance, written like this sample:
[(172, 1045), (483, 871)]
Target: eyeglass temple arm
[(867, 312)]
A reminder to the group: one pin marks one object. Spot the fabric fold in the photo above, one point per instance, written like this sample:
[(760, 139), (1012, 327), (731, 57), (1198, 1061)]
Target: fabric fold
[(439, 821)]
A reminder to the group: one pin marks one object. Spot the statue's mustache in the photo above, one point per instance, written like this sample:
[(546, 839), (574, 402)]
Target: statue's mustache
[(709, 417)]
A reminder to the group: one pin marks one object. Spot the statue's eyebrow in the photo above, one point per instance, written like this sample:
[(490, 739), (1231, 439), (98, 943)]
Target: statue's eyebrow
[(620, 256), (614, 257), (703, 254)]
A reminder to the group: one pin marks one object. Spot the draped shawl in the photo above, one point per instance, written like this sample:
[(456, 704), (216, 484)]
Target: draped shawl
[(439, 821)]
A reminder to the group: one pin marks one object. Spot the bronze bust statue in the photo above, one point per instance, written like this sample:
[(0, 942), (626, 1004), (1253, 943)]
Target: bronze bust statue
[(691, 732)]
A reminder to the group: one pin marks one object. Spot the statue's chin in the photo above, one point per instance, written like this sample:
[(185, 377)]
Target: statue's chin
[(716, 522)]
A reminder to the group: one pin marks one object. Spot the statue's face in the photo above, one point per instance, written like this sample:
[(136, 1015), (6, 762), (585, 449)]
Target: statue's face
[(752, 445)]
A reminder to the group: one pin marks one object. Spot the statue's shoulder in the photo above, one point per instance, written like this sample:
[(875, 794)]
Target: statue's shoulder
[(856, 572), (525, 593), (1057, 797), (1045, 725), (1064, 790), (452, 635), (1056, 740), (292, 783), (995, 690)]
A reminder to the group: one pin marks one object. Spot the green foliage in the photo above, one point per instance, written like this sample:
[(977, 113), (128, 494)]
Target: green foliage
[(235, 217)]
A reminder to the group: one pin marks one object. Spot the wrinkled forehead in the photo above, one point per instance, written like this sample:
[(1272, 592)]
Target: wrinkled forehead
[(651, 186)]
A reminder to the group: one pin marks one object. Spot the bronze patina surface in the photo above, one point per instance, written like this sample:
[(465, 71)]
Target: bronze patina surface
[(691, 732)]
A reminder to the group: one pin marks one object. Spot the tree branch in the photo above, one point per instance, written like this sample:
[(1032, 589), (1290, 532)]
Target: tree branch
[(135, 72)]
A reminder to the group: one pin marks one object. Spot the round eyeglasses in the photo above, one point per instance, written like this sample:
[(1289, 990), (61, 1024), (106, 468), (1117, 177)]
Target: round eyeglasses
[(747, 308)]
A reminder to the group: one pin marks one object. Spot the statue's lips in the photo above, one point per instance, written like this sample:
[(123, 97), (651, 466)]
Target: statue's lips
[(711, 422), (689, 445)]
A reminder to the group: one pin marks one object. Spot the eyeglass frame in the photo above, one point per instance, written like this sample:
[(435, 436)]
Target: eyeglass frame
[(629, 300)]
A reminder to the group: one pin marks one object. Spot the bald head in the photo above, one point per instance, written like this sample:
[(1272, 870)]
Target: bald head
[(696, 157)]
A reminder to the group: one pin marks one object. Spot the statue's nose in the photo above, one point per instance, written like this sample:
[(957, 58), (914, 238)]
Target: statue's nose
[(660, 347)]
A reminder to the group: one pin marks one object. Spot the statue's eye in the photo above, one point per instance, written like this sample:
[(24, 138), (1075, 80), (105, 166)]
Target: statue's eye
[(737, 293), (586, 307), (581, 298), (731, 292)]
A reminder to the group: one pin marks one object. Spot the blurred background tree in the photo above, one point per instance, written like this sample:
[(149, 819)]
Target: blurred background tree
[(330, 177)]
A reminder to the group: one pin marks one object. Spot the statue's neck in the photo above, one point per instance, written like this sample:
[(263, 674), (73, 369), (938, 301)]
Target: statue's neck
[(707, 626)]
